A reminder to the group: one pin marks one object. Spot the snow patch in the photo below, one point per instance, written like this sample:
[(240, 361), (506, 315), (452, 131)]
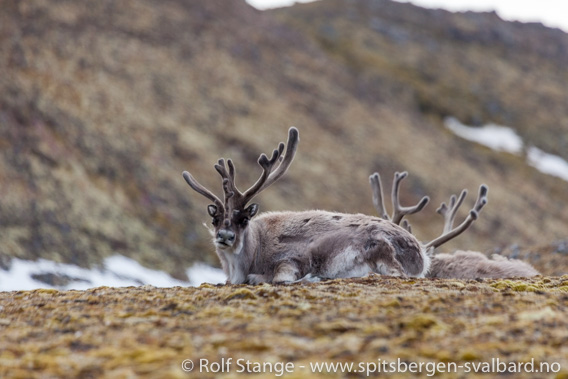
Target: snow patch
[(116, 271), (547, 163), (496, 137), (503, 138)]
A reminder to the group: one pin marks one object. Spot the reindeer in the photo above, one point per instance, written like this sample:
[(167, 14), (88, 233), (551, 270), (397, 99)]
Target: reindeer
[(461, 264), (285, 247), (473, 265)]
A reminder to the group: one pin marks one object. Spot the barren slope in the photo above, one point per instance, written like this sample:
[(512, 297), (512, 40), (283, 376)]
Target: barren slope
[(103, 105)]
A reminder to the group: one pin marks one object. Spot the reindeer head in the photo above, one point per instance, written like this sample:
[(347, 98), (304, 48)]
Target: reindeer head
[(231, 216)]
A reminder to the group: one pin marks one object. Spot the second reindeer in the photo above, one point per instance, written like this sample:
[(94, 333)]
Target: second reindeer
[(461, 264), (283, 247)]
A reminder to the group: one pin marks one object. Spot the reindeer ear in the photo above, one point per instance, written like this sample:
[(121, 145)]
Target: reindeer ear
[(252, 210), (212, 210)]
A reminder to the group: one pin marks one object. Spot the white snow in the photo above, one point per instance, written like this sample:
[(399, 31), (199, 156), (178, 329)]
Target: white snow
[(547, 163), (496, 137), (116, 271), (503, 138)]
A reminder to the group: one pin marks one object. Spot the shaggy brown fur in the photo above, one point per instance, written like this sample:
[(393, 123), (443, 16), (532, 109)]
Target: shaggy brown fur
[(472, 265), (288, 246), (284, 247)]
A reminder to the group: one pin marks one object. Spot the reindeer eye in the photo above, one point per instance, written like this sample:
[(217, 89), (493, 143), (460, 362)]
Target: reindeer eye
[(215, 221), (244, 221)]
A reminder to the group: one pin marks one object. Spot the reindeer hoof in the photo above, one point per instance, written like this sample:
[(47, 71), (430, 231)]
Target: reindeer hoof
[(256, 279), (309, 278)]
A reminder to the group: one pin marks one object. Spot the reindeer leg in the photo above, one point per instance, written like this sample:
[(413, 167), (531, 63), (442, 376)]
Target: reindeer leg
[(256, 279), (286, 272), (381, 257), (309, 278)]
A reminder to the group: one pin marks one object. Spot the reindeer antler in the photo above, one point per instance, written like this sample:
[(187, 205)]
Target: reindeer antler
[(272, 170), (447, 211), (398, 210), (200, 189), (449, 214)]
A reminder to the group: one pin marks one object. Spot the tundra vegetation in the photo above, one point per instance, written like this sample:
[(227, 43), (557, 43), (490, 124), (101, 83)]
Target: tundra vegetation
[(184, 80), (147, 332)]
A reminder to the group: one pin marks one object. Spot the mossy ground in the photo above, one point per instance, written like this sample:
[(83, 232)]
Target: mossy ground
[(148, 332)]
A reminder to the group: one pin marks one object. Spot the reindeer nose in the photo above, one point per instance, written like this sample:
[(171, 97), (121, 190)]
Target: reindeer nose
[(226, 235)]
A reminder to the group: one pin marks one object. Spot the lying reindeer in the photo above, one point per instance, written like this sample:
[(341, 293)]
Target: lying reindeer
[(283, 247), (461, 264)]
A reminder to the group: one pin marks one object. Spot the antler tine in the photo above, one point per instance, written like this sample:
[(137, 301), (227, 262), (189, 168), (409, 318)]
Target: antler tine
[(221, 168), (481, 198), (406, 225), (291, 148), (471, 217), (449, 212), (378, 198), (229, 188), (399, 211), (200, 189), (228, 177), (267, 167), (270, 173)]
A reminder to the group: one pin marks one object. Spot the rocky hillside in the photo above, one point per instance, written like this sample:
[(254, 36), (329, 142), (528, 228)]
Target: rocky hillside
[(473, 66), (103, 104)]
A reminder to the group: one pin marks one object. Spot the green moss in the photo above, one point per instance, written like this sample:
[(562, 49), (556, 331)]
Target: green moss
[(421, 321), (469, 355), (524, 287), (518, 286), (148, 331), (241, 293)]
